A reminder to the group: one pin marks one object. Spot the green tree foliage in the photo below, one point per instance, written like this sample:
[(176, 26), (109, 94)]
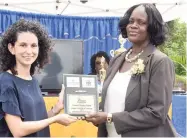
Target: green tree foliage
[(175, 48)]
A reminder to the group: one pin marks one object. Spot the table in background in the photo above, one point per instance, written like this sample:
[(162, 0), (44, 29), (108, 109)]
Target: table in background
[(84, 129), (77, 129)]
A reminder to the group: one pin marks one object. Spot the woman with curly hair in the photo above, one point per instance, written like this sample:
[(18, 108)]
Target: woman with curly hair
[(25, 46)]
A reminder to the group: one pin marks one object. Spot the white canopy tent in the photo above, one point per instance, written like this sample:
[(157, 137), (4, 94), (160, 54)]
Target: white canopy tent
[(170, 9)]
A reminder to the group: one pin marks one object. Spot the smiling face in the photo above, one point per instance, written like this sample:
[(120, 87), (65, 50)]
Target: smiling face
[(25, 48), (137, 27)]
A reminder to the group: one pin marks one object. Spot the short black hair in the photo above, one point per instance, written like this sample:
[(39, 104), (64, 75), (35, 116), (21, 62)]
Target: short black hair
[(8, 61), (157, 29), (93, 58)]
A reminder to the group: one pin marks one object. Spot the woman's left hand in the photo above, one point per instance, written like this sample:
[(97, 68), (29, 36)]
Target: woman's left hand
[(59, 105), (96, 118)]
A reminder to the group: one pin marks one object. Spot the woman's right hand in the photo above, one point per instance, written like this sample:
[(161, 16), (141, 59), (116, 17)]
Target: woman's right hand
[(65, 119)]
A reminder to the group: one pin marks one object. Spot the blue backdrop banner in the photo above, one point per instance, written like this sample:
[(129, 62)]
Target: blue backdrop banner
[(96, 32), (179, 113)]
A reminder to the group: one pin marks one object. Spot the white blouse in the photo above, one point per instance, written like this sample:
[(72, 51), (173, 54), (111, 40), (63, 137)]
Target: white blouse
[(115, 99)]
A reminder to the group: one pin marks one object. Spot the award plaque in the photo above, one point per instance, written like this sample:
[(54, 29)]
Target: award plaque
[(80, 96)]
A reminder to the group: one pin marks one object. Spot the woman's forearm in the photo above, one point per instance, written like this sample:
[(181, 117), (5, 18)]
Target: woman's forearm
[(34, 126), (19, 128)]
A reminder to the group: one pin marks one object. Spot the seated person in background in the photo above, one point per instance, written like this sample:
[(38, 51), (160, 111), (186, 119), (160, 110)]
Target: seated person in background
[(99, 63)]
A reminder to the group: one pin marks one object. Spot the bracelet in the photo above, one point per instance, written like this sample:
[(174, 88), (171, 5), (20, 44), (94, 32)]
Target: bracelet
[(52, 110)]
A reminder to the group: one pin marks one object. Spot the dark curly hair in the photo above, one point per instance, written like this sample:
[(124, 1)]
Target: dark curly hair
[(93, 58), (157, 29), (8, 61)]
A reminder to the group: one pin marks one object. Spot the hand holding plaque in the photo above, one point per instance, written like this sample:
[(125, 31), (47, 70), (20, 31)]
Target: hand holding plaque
[(65, 119), (80, 95)]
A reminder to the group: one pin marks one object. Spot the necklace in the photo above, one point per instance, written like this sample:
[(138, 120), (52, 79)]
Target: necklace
[(134, 58)]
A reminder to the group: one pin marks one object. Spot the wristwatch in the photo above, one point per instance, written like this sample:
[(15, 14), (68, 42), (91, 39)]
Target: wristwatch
[(109, 118)]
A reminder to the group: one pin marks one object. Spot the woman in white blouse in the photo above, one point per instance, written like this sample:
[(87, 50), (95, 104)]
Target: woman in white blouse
[(137, 91)]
